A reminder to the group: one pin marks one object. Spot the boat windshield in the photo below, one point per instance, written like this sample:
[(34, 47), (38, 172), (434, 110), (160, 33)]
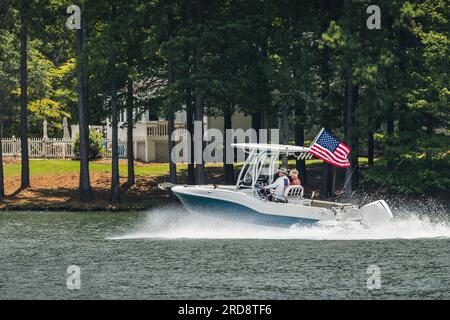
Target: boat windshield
[(258, 169)]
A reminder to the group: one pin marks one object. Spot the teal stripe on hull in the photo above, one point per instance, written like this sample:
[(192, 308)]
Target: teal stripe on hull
[(237, 212)]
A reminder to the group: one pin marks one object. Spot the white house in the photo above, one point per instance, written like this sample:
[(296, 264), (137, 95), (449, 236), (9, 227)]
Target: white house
[(150, 136)]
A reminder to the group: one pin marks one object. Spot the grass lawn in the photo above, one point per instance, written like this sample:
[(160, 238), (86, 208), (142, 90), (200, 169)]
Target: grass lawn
[(50, 167)]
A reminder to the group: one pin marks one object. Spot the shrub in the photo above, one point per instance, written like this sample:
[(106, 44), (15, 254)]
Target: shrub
[(95, 147), (413, 175)]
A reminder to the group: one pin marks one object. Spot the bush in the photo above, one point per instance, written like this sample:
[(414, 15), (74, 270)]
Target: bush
[(413, 175), (95, 145)]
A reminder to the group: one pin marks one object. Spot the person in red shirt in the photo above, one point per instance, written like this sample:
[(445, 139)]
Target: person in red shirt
[(293, 174)]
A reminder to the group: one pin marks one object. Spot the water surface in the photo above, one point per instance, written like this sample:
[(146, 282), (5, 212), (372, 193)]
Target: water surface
[(171, 254)]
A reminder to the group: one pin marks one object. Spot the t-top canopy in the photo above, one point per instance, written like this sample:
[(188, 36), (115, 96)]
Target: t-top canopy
[(283, 149)]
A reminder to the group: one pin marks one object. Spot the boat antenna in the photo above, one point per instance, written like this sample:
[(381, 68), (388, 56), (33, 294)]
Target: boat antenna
[(384, 182), (349, 177)]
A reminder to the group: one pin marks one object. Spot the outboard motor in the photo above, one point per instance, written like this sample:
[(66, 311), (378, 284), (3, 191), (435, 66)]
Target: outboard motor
[(376, 213)]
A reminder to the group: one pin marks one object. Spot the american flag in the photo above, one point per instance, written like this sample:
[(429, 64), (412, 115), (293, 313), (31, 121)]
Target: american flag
[(328, 148)]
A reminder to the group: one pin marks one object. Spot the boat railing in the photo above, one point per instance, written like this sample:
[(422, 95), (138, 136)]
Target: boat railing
[(329, 204)]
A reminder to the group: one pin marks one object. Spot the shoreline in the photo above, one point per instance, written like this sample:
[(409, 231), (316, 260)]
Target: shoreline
[(59, 192), (79, 208)]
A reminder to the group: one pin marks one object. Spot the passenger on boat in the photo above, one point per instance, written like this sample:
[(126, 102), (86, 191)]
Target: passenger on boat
[(280, 184), (295, 180)]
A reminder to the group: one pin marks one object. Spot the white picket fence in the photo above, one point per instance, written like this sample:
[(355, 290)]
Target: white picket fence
[(39, 148), (53, 148)]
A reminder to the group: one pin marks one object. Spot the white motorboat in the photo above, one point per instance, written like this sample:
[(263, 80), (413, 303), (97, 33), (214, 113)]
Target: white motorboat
[(246, 201)]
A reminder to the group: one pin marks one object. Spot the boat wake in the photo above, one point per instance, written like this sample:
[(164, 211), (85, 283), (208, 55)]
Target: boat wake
[(176, 223)]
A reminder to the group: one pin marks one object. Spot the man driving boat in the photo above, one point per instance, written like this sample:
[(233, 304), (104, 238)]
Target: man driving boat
[(280, 184)]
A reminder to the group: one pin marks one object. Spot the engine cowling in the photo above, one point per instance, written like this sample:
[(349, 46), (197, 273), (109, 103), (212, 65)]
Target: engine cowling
[(376, 213)]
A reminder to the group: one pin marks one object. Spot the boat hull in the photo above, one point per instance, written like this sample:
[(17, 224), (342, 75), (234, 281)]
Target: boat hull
[(231, 210)]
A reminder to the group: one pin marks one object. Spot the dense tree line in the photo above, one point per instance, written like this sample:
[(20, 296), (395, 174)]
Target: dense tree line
[(295, 65)]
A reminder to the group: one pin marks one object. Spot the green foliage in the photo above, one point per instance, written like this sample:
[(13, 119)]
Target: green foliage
[(51, 90), (258, 57), (413, 175), (9, 80), (51, 94), (95, 145)]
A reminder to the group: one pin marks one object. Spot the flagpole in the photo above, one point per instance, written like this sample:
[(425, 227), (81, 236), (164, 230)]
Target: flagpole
[(314, 141), (317, 137)]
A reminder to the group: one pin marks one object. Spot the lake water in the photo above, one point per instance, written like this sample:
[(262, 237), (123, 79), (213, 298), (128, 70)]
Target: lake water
[(171, 254)]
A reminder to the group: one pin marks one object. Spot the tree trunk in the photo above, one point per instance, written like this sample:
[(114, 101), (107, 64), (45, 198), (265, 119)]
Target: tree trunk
[(326, 181), (228, 168), (370, 141), (370, 147), (198, 112), (198, 117), (265, 123), (390, 139), (300, 164), (402, 116), (256, 124), (285, 128), (115, 180), (25, 171), (130, 151), (172, 164), (170, 114), (2, 186), (428, 154), (115, 184), (390, 124), (4, 10), (349, 131), (85, 184), (190, 129), (2, 182), (355, 140), (189, 102)]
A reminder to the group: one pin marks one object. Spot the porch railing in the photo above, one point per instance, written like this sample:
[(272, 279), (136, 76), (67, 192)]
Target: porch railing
[(161, 128)]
